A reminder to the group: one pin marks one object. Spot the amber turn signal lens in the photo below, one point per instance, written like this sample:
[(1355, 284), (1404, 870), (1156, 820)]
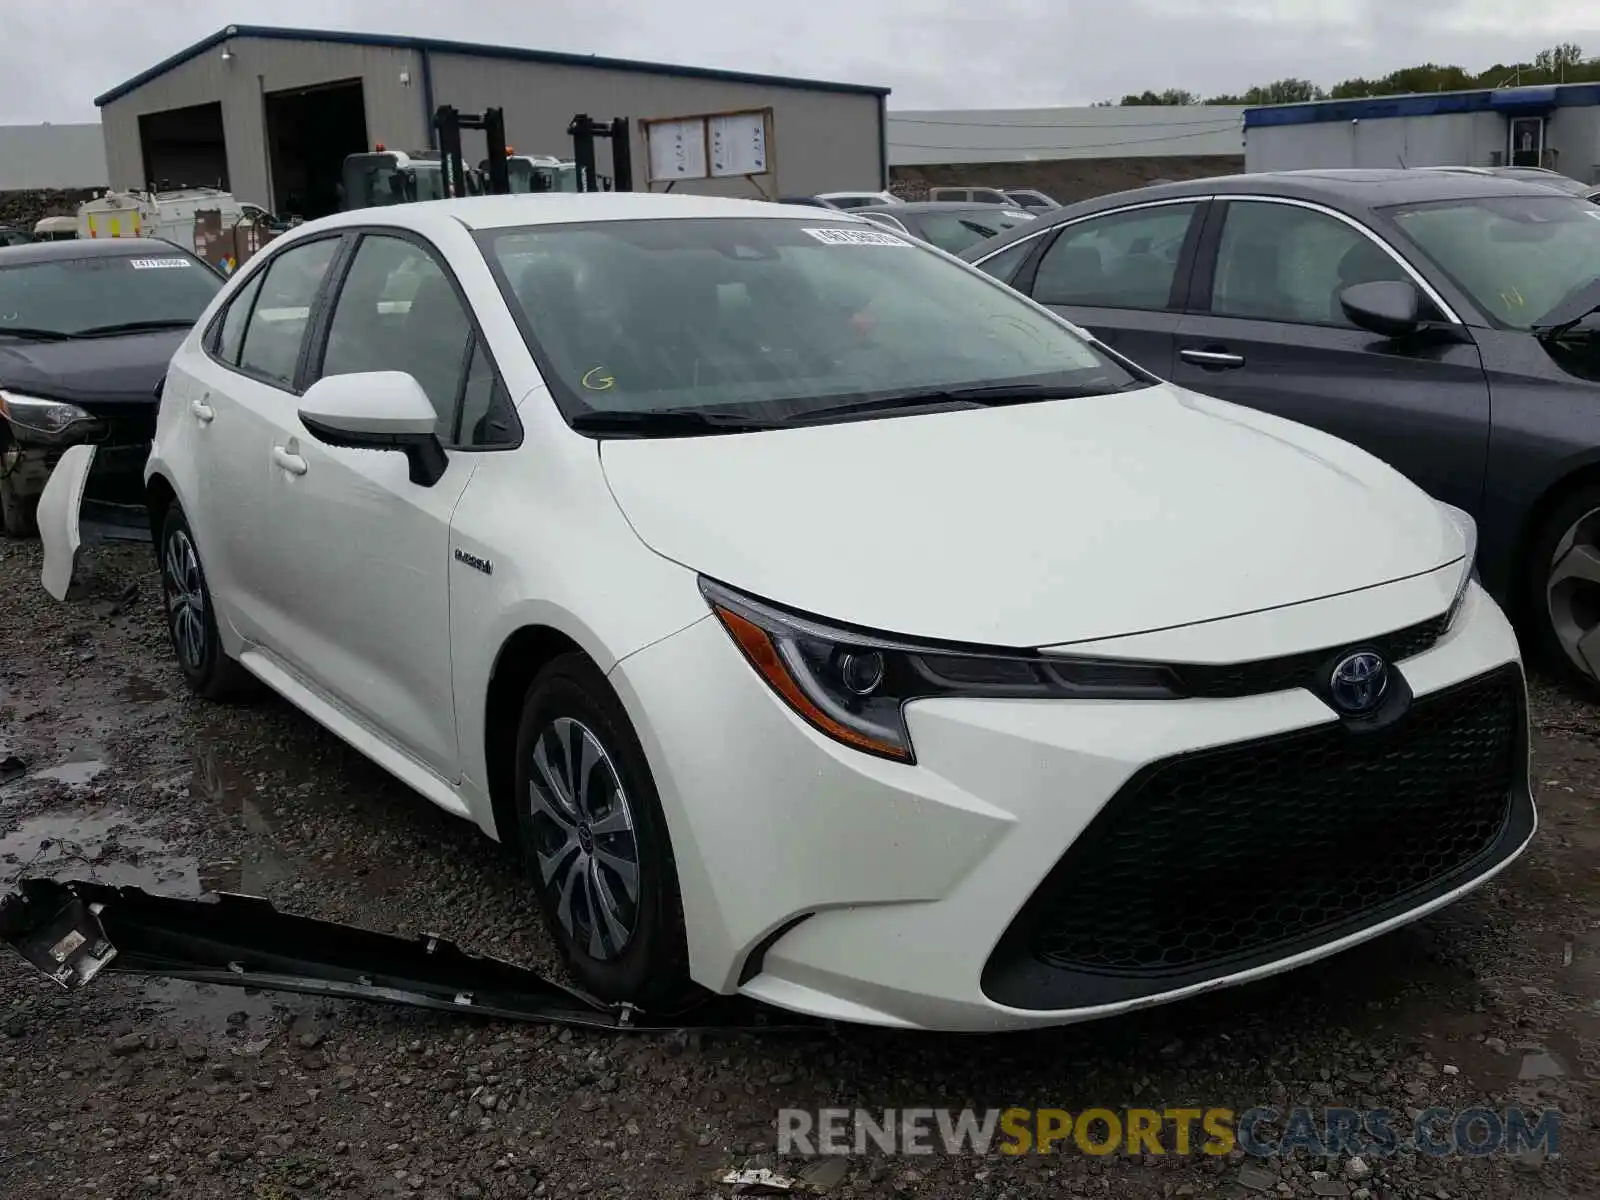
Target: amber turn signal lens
[(764, 657)]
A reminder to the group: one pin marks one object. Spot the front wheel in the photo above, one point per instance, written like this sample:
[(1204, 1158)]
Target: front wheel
[(1565, 586), (191, 616), (18, 514), (595, 840)]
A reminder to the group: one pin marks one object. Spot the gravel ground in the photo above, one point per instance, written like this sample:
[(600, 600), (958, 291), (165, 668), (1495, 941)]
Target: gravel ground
[(138, 1087)]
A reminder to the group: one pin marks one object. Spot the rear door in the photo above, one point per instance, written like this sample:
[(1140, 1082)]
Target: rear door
[(242, 392), (1122, 275), (1266, 330)]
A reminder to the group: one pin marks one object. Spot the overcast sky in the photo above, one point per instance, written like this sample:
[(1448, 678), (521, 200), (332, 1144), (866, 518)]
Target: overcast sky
[(56, 57)]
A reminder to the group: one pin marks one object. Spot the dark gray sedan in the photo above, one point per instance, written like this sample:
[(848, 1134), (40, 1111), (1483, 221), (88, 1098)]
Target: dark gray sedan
[(1444, 321)]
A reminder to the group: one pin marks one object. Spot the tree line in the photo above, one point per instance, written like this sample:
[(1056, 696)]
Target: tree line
[(1559, 64)]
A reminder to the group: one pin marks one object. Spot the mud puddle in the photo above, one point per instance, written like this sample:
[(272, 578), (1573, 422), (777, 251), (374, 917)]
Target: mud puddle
[(105, 847)]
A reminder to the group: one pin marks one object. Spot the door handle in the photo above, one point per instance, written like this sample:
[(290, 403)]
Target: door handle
[(1216, 360), (291, 463), (202, 411)]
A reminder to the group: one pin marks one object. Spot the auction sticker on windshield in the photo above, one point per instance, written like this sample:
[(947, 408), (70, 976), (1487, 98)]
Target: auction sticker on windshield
[(856, 237), (156, 264)]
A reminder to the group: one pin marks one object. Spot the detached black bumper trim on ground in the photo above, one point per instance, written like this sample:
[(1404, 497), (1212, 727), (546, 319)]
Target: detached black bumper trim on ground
[(1215, 862), (71, 930)]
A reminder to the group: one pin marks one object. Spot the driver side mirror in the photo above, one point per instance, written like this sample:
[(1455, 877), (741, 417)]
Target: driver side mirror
[(377, 410), (1391, 308)]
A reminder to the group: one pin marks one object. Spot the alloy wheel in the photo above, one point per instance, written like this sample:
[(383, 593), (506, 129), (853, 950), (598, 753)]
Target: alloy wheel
[(1572, 593), (587, 850), (186, 599)]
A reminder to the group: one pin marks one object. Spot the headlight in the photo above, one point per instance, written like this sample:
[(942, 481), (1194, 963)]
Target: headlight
[(853, 685), (49, 421), (1469, 563)]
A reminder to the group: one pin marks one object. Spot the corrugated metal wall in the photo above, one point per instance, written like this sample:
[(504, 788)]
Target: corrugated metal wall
[(823, 140), (394, 109), (34, 157), (1444, 140), (1015, 135)]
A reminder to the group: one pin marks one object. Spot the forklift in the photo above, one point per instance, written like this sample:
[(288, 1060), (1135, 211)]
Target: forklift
[(383, 176)]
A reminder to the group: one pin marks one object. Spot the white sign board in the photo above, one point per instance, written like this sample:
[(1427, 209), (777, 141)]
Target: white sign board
[(677, 149), (738, 144)]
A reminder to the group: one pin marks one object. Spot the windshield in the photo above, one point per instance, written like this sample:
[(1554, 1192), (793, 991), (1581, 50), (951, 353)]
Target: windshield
[(954, 232), (81, 295), (1517, 256), (771, 318)]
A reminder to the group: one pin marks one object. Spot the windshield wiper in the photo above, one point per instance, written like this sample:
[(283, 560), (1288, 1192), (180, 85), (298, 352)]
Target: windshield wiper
[(669, 422), (1572, 308), (132, 327), (987, 396), (35, 335)]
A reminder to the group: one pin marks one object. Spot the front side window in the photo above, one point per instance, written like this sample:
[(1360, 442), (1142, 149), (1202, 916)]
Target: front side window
[(397, 311), (771, 317), (1005, 265), (1281, 262), (282, 310), (105, 293), (1518, 257), (1121, 260)]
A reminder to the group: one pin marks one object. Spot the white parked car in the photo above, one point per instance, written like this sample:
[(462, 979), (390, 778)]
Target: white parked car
[(824, 620)]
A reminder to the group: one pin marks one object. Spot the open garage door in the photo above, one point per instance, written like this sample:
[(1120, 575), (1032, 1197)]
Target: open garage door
[(184, 147), (309, 132)]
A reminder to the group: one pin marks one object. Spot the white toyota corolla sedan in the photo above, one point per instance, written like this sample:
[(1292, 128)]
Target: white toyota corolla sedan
[(825, 621)]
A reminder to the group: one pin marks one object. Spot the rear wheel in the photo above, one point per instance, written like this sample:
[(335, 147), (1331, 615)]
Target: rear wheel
[(191, 616), (1566, 582), (595, 840)]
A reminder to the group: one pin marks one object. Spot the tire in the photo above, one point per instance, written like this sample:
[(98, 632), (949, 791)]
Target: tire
[(618, 947), (191, 616), (18, 514), (1562, 602)]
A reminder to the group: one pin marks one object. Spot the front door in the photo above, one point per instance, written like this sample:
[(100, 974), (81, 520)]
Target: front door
[(1121, 275), (1269, 333), (368, 567)]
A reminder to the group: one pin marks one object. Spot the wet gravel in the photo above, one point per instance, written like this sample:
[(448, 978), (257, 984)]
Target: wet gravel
[(141, 1087)]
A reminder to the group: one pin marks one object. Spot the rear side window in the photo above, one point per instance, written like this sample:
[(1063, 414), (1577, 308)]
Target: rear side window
[(1004, 266), (230, 337), (278, 320), (1121, 260)]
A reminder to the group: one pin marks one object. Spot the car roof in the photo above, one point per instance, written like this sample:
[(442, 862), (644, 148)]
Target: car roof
[(560, 208), (77, 248), (1347, 188)]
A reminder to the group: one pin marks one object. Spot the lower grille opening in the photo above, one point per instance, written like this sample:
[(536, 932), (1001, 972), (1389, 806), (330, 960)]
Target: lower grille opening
[(1213, 861)]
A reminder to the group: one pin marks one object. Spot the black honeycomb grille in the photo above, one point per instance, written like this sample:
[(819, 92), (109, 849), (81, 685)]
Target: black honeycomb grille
[(1233, 852), (1297, 670)]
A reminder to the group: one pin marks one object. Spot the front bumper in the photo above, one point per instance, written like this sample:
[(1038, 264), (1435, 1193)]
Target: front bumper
[(927, 896), (117, 476)]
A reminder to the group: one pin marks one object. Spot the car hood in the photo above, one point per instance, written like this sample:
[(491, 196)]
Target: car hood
[(1037, 524), (105, 370)]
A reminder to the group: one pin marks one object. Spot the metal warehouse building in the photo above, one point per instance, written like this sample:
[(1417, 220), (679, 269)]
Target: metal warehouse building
[(271, 113), (1557, 127)]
